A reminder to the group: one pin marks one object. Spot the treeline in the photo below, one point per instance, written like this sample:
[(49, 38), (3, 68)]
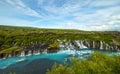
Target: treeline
[(97, 64)]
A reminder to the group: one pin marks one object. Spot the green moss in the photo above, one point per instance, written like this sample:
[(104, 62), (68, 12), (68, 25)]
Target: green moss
[(11, 49), (54, 45)]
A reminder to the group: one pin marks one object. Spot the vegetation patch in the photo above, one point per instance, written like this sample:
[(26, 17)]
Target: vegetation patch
[(97, 64), (11, 49)]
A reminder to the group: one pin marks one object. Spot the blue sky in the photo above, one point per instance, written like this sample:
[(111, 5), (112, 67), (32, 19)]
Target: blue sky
[(65, 14)]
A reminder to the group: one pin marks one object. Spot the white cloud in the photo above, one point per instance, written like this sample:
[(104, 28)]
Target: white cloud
[(73, 25), (102, 19), (86, 14), (97, 3), (67, 7), (10, 2), (23, 8)]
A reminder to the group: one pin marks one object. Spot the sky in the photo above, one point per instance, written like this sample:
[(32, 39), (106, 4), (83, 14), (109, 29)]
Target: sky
[(91, 15)]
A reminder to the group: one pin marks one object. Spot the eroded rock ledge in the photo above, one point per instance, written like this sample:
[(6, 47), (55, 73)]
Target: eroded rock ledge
[(38, 47)]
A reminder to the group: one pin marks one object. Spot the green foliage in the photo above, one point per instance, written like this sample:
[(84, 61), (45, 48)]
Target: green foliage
[(11, 49), (25, 36), (9, 73), (97, 64), (54, 45), (12, 73)]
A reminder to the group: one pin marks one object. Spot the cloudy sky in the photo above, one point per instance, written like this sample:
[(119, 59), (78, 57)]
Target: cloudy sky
[(65, 14)]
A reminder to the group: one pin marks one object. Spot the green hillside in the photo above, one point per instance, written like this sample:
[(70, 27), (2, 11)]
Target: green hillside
[(23, 36)]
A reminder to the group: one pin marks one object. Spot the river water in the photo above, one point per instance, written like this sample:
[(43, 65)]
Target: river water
[(39, 63)]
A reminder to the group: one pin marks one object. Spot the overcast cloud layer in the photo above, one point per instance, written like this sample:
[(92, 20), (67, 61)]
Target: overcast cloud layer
[(65, 14)]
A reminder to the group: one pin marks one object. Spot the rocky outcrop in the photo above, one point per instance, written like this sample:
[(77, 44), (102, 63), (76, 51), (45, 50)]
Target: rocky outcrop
[(38, 47)]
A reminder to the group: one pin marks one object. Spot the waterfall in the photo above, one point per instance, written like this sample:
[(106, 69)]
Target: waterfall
[(9, 55), (37, 52), (83, 46), (29, 53), (67, 46), (45, 51), (22, 53), (101, 45), (117, 48), (88, 44), (107, 47), (61, 46), (93, 44), (71, 46), (80, 44), (112, 48)]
